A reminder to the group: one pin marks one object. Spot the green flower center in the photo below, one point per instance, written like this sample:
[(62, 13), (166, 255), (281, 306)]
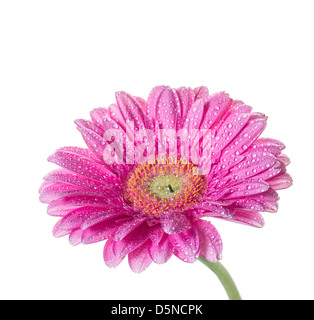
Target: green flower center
[(165, 186)]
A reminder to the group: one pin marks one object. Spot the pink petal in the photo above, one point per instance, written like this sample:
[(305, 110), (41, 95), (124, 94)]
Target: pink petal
[(126, 228), (210, 241), (268, 142), (142, 103), (110, 259), (68, 177), (285, 160), (139, 259), (57, 232), (89, 125), (75, 237), (267, 145), (248, 217), (214, 109), (173, 222), (81, 199), (100, 231), (115, 118), (134, 239), (130, 109), (281, 181), (99, 215), (97, 115), (161, 252), (94, 142), (83, 166), (268, 199), (248, 203), (45, 185), (60, 211), (269, 173), (186, 97), (230, 129), (247, 188), (195, 115), (49, 191), (79, 151), (156, 235), (163, 105), (201, 93), (77, 217), (151, 106), (64, 204), (253, 165), (206, 209), (245, 138), (186, 244)]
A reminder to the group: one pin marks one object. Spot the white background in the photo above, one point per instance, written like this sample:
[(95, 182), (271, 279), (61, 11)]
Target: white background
[(60, 59)]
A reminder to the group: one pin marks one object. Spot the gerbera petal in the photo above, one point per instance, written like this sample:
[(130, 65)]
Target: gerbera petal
[(49, 191), (66, 203), (248, 203), (97, 115), (268, 199), (95, 142), (252, 165), (245, 138), (115, 118), (210, 241), (78, 217), (186, 97), (248, 217), (142, 103), (98, 216), (110, 259), (214, 109), (187, 244), (139, 259), (125, 228), (228, 131), (58, 232), (163, 105), (201, 93), (81, 199), (195, 115), (83, 166), (246, 188), (131, 241), (268, 145), (130, 109), (100, 231), (75, 236), (161, 252), (79, 151), (285, 160), (151, 106), (89, 125), (67, 177), (173, 223), (270, 172), (282, 181), (266, 142), (156, 235)]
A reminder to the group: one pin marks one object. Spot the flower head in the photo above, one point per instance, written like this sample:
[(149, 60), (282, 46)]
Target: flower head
[(154, 169)]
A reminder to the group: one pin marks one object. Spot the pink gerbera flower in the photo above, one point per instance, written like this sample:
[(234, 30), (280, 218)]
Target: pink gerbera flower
[(145, 182)]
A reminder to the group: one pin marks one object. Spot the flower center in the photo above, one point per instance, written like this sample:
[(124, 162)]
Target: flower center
[(165, 186), (162, 186)]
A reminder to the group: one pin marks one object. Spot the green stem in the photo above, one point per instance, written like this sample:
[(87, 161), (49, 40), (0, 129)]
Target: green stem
[(224, 277)]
